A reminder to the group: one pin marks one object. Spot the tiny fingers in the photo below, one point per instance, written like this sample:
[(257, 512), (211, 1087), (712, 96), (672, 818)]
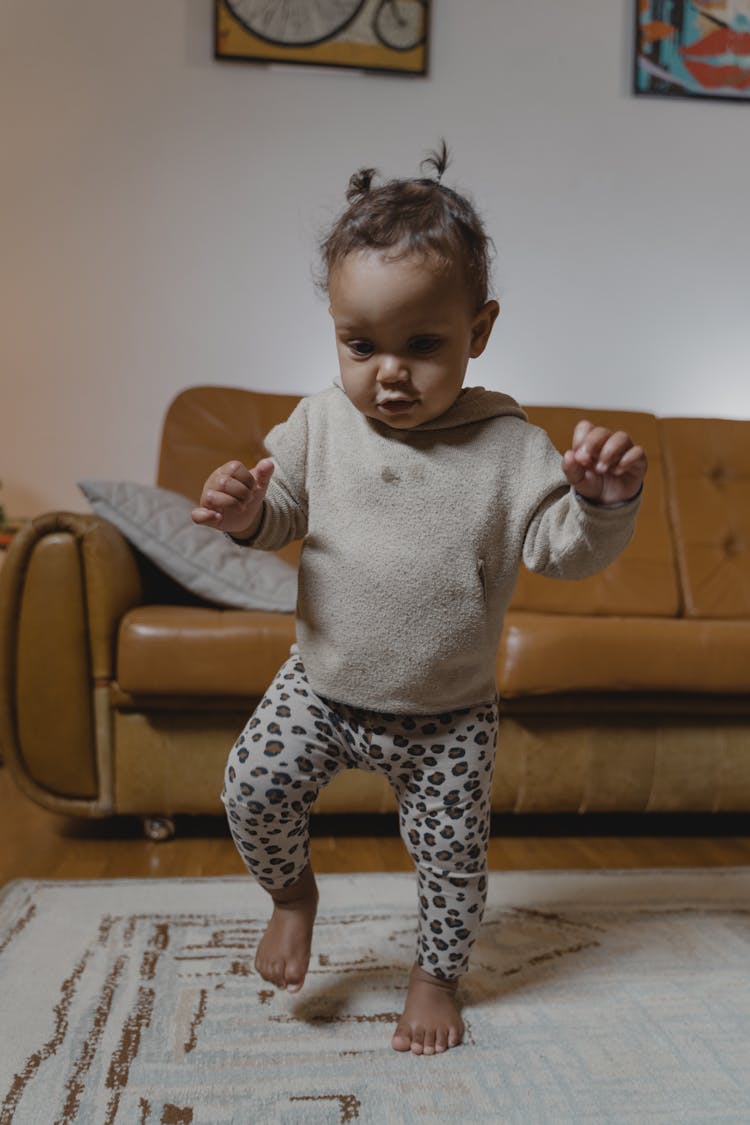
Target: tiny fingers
[(633, 460), (205, 515), (589, 450), (581, 432), (232, 494), (611, 452), (263, 472), (605, 452), (572, 468), (235, 488)]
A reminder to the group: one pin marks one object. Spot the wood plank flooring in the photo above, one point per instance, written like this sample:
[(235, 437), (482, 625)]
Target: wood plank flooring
[(38, 844)]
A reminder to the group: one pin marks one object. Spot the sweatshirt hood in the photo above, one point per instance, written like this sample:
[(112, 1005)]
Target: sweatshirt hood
[(474, 404)]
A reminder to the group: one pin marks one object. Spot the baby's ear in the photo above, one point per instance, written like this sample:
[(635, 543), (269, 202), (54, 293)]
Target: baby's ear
[(482, 327)]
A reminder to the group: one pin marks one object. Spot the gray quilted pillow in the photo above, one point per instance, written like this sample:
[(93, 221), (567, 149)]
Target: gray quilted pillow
[(201, 559)]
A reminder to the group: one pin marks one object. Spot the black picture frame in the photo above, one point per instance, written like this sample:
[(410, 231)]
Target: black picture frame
[(385, 36)]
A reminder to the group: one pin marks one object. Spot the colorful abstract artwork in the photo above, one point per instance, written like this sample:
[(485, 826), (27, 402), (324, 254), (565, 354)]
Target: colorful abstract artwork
[(687, 48), (386, 35)]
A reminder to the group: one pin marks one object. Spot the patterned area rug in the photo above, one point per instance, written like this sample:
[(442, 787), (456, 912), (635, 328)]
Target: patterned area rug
[(594, 997)]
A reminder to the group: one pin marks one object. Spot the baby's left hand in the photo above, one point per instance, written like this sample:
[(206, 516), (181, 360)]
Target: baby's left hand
[(603, 466)]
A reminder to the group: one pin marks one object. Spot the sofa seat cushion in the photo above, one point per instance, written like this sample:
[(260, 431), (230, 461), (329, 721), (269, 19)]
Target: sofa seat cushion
[(191, 650), (541, 654)]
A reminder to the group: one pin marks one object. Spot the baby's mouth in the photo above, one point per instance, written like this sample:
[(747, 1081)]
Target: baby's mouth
[(396, 405)]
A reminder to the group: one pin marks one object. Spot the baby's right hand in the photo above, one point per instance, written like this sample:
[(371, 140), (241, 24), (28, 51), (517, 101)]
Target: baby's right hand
[(232, 498)]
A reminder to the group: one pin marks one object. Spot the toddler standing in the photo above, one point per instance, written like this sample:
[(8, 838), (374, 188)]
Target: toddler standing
[(416, 499)]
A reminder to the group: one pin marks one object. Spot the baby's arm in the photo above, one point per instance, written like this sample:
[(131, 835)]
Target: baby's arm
[(604, 467), (232, 498), (578, 530)]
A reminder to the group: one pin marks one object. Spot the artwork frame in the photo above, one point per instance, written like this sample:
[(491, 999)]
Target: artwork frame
[(692, 49), (384, 36)]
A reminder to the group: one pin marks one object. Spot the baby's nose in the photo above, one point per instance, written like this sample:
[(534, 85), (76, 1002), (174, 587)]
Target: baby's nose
[(392, 369)]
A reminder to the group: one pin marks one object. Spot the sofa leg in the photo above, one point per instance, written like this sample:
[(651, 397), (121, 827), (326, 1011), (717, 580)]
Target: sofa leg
[(158, 828)]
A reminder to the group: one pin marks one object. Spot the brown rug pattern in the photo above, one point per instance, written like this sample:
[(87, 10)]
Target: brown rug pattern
[(593, 997)]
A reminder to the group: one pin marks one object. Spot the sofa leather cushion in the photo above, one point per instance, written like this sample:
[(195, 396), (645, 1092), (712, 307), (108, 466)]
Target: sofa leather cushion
[(157, 521), (541, 654), (197, 651), (707, 462), (194, 651), (643, 580), (207, 426)]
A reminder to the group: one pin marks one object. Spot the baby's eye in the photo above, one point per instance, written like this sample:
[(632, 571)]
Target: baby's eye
[(423, 345), (361, 347)]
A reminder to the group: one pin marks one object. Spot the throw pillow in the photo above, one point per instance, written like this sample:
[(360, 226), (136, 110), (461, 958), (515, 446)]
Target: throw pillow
[(201, 559)]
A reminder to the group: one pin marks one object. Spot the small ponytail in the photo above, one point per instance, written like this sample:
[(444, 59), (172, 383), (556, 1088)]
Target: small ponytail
[(437, 159), (359, 184), (412, 216)]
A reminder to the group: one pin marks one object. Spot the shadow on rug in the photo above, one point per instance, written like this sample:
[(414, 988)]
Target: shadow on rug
[(593, 997)]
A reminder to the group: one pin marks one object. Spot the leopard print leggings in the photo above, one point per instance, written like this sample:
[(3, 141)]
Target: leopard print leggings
[(440, 767)]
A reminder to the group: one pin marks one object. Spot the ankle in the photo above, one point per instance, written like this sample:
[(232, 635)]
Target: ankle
[(303, 893), (422, 976)]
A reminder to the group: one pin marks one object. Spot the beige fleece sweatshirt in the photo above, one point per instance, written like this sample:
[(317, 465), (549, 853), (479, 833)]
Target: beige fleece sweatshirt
[(413, 540)]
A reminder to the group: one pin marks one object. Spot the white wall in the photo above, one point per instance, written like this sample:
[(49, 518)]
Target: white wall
[(160, 209)]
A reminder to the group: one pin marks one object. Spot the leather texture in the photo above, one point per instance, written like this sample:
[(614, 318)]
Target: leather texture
[(621, 763), (185, 650), (65, 584), (53, 670), (206, 426), (708, 468), (173, 764), (626, 692), (541, 654), (643, 580)]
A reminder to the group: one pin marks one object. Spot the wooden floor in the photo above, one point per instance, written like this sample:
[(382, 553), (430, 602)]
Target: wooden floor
[(38, 844)]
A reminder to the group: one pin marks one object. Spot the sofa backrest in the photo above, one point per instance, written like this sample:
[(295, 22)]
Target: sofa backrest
[(691, 548), (206, 426), (643, 580), (707, 465)]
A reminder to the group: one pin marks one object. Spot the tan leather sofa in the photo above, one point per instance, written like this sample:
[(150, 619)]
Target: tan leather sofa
[(626, 692)]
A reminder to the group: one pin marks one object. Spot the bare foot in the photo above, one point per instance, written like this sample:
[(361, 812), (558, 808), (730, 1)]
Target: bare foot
[(283, 952), (431, 1021)]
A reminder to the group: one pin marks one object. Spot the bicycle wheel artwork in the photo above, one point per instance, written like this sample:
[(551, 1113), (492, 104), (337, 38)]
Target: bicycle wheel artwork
[(385, 35)]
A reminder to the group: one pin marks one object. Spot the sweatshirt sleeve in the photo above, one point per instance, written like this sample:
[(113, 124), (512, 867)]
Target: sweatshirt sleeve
[(567, 536), (285, 506)]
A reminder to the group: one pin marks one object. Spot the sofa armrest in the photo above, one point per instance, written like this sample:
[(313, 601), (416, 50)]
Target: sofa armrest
[(66, 581)]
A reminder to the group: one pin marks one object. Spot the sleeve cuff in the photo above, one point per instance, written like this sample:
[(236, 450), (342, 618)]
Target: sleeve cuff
[(251, 539), (607, 507)]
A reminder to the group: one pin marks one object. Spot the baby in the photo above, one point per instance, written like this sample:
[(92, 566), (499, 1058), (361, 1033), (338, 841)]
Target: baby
[(416, 499)]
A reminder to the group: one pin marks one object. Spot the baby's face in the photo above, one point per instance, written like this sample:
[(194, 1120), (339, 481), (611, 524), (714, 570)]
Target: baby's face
[(405, 332)]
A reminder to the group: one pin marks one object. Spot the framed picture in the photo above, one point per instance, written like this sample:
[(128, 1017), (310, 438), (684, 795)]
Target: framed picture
[(688, 48), (384, 35)]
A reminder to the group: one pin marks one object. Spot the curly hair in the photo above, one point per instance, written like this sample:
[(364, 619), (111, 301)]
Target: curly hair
[(414, 216)]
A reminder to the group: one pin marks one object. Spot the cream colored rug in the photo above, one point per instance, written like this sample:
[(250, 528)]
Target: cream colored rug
[(594, 997)]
